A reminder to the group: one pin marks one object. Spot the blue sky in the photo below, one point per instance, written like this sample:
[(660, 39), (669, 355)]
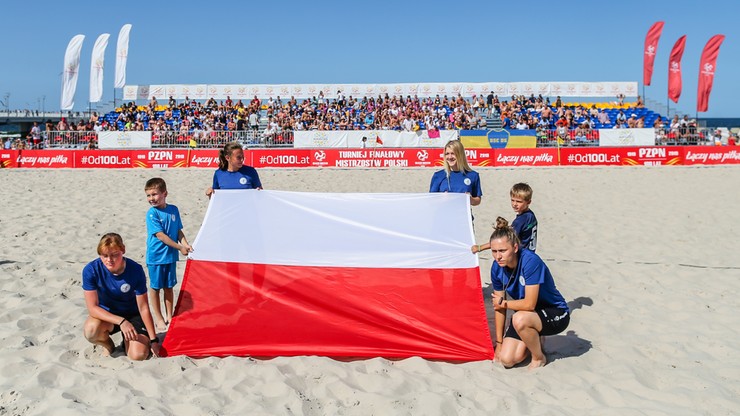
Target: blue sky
[(240, 42)]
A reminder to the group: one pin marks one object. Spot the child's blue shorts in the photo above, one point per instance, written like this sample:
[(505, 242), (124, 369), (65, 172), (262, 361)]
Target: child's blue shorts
[(162, 276)]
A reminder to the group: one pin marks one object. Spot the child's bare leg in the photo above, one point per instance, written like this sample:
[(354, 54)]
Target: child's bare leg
[(156, 305), (169, 297)]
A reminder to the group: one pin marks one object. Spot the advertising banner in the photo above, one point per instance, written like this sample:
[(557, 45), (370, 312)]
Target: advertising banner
[(319, 139), (206, 158), (9, 158), (103, 159), (707, 67), (125, 139), (45, 159), (512, 139), (711, 155), (609, 156), (160, 158), (651, 47), (425, 89), (626, 137), (372, 139), (280, 158), (373, 158), (526, 157)]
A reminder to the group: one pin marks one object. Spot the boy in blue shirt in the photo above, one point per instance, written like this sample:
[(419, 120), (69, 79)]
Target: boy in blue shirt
[(525, 223), (164, 239)]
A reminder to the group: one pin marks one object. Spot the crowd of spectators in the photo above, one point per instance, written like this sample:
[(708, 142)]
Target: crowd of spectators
[(521, 112), (317, 113), (269, 118), (349, 113)]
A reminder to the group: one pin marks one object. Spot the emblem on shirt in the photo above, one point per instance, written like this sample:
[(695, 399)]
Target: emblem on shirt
[(467, 182), (173, 217), (521, 280), (125, 288), (243, 181)]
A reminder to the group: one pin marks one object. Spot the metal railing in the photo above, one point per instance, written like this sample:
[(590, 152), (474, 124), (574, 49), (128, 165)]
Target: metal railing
[(567, 137), (173, 139), (216, 139), (689, 136), (685, 136)]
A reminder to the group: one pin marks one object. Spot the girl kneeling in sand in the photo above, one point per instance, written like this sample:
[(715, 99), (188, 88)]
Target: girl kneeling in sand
[(523, 283), (116, 300)]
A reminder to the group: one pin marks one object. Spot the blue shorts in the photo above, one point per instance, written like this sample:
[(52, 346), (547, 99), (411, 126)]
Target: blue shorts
[(162, 276)]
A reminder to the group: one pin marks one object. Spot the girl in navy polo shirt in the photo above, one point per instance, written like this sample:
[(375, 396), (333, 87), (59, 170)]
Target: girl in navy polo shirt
[(231, 172), (457, 175), (523, 283)]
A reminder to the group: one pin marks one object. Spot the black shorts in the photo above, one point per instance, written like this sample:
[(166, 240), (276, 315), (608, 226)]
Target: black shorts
[(138, 324), (554, 321)]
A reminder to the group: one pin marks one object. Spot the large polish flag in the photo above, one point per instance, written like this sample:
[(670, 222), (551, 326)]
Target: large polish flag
[(277, 273)]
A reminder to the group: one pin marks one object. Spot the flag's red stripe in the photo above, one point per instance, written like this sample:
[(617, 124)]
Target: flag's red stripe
[(268, 310)]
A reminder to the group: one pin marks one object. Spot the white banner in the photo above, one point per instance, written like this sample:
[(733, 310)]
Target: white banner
[(122, 56), (450, 89), (96, 68), (373, 139), (125, 139), (593, 89), (71, 72), (129, 92), (626, 137), (528, 88)]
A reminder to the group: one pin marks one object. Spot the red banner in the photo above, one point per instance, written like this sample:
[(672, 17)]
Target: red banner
[(526, 157), (160, 158), (711, 155), (46, 159), (361, 158), (281, 158), (612, 156), (674, 69), (651, 48), (9, 158), (207, 158), (707, 67), (102, 159)]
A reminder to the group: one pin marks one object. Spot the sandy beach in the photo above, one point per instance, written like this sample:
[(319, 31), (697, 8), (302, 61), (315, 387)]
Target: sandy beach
[(646, 257)]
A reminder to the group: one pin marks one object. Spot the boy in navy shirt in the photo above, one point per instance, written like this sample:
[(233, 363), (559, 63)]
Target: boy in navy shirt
[(525, 223)]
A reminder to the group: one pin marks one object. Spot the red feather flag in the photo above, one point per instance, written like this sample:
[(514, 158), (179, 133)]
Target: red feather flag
[(674, 69), (651, 47), (707, 67)]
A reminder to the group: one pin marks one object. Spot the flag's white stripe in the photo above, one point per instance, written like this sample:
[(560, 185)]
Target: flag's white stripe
[(342, 230)]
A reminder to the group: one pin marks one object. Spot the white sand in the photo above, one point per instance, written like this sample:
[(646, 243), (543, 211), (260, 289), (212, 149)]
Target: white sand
[(647, 258)]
